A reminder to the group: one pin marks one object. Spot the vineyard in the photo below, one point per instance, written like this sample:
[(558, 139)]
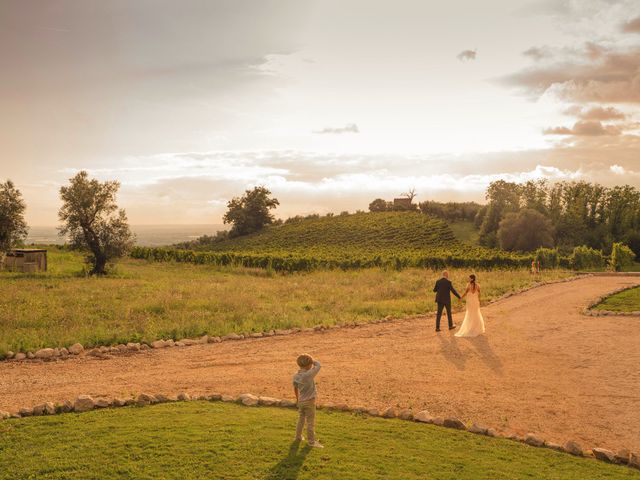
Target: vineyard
[(393, 240)]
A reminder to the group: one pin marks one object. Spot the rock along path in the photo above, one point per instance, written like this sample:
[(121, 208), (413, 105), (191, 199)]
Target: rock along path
[(542, 367)]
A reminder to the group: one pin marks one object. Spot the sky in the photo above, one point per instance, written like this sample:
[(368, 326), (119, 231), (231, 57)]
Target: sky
[(330, 104)]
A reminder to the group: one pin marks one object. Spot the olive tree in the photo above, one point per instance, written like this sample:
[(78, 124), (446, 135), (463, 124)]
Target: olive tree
[(13, 227), (251, 212), (93, 221)]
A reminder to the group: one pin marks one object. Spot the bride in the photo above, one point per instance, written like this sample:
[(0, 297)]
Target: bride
[(473, 324)]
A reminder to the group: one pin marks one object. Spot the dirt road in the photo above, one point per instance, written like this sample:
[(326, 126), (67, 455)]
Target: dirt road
[(542, 367)]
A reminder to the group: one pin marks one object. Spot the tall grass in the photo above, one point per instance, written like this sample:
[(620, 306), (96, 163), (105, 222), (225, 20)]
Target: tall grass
[(143, 301)]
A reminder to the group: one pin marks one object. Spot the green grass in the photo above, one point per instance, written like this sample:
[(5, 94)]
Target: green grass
[(144, 301), (627, 301), (198, 440), (465, 231)]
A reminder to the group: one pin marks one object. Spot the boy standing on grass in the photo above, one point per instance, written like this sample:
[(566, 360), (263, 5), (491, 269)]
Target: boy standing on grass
[(304, 387)]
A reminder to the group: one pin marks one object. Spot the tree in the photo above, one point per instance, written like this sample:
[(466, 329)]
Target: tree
[(251, 212), (633, 240), (379, 205), (411, 194), (525, 231), (92, 219), (13, 227), (503, 198)]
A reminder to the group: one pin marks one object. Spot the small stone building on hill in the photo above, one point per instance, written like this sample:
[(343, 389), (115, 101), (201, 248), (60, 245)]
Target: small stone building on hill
[(402, 202), (26, 260)]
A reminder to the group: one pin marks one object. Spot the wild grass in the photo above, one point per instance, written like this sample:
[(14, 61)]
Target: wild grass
[(198, 440), (144, 301), (626, 301)]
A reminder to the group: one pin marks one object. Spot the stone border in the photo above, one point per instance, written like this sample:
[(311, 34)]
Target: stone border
[(104, 352), (85, 403), (589, 310)]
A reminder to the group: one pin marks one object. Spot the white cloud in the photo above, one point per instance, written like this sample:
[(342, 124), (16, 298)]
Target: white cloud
[(348, 128), (467, 55)]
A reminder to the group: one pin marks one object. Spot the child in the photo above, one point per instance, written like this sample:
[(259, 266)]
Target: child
[(304, 387)]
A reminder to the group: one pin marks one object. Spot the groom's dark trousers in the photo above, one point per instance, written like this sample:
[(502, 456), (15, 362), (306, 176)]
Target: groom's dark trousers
[(442, 306)]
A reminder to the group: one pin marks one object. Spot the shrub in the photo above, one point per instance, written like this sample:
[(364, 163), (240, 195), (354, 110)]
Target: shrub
[(621, 256), (586, 258)]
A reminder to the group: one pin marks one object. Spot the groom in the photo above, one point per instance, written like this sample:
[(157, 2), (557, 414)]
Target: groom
[(443, 290)]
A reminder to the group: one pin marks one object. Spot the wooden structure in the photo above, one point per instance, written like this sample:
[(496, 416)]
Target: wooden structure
[(26, 260)]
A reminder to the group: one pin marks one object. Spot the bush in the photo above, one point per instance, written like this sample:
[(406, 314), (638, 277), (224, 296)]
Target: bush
[(585, 258), (548, 257), (621, 256)]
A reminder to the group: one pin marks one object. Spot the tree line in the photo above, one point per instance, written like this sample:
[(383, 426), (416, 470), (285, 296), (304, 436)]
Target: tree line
[(517, 217), (93, 222), (564, 215), (90, 218)]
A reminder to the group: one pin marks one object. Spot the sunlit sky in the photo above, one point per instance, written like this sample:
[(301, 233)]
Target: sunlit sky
[(328, 103)]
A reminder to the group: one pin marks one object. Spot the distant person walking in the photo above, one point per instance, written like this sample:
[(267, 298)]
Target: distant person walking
[(444, 289)]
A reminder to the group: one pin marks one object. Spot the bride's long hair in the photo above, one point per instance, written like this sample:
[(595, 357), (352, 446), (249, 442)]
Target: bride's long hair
[(472, 282)]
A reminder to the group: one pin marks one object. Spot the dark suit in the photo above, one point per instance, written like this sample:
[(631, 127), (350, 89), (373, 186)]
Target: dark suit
[(443, 290)]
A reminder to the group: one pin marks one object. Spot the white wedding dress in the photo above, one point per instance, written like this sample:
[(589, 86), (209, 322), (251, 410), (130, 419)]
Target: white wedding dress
[(473, 324)]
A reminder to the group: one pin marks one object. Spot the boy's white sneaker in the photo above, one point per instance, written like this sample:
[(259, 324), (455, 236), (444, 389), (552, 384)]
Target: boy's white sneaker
[(316, 444)]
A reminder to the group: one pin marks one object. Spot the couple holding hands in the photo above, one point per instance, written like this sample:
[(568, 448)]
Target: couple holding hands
[(473, 324)]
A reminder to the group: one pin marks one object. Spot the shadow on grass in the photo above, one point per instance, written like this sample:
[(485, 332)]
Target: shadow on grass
[(289, 467)]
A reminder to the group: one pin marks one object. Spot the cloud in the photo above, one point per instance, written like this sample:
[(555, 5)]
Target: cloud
[(632, 26), (193, 187), (598, 74), (537, 53), (584, 128), (595, 113), (348, 128), (467, 55)]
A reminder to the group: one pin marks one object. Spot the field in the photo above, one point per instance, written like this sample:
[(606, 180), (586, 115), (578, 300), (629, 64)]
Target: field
[(392, 240), (215, 440), (144, 301), (627, 301)]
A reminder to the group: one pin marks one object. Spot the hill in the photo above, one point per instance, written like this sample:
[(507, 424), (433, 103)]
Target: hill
[(362, 240), (375, 231)]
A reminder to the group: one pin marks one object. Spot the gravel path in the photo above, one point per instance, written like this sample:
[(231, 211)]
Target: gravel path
[(542, 367)]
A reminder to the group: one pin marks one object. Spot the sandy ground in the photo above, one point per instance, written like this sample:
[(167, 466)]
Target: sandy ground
[(542, 367)]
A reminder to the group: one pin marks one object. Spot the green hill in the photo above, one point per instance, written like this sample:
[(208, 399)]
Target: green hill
[(362, 240), (377, 231)]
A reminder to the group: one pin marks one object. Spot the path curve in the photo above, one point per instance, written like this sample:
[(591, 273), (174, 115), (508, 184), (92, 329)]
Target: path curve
[(542, 367)]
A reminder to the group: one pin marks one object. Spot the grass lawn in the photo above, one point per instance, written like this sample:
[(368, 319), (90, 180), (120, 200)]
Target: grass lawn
[(627, 301), (144, 301), (197, 440)]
